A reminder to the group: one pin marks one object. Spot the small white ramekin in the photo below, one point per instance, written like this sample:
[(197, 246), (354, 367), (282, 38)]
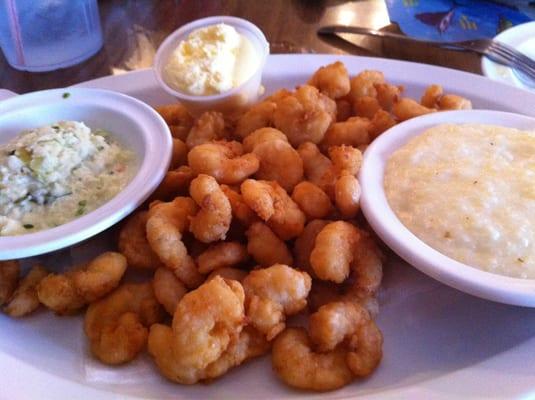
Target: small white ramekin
[(227, 102)]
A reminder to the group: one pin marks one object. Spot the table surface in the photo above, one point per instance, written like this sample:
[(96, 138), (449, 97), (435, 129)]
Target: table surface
[(133, 30)]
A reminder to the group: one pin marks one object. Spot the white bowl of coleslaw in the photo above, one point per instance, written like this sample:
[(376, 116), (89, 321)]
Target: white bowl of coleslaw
[(122, 125)]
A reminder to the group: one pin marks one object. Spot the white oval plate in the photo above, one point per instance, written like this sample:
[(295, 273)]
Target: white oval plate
[(522, 38), (133, 123), (440, 343), (413, 250)]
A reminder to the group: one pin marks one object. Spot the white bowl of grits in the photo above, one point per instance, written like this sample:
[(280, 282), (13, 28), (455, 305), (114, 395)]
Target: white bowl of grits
[(213, 63), (453, 193), (72, 163)]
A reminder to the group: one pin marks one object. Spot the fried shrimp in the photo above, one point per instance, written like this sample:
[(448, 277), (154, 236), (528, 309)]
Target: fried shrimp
[(304, 244), (332, 80), (262, 135), (224, 161), (9, 277), (178, 119), (24, 300), (381, 121), (387, 94), (273, 205), (318, 167), (228, 273), (431, 96), (406, 108), (366, 349), (352, 132), (168, 289), (346, 158), (221, 255), (366, 106), (209, 126), (212, 222), (165, 224), (133, 243), (258, 116), (334, 322), (272, 294), (312, 200), (367, 267), (205, 322), (240, 210), (454, 102), (66, 293), (249, 344), (265, 247), (305, 115), (364, 84), (116, 325), (179, 154), (347, 195), (175, 183), (280, 162), (296, 363), (334, 251)]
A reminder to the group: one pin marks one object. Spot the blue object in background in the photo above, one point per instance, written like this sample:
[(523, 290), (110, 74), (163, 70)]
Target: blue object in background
[(450, 20)]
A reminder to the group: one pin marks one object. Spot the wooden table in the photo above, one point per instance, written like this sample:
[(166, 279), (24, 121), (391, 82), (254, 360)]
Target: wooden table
[(133, 29)]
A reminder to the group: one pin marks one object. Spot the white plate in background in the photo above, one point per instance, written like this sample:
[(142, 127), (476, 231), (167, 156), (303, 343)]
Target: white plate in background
[(522, 38), (439, 343)]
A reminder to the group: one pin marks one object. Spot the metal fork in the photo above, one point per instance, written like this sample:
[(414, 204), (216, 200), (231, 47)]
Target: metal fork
[(496, 51)]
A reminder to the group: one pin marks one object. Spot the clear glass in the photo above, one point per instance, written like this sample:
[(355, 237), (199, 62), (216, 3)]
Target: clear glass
[(43, 35)]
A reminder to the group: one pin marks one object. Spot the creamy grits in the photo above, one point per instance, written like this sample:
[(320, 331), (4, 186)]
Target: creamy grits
[(211, 60), (469, 192), (56, 173)]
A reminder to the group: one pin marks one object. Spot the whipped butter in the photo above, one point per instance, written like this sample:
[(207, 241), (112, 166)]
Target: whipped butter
[(211, 60)]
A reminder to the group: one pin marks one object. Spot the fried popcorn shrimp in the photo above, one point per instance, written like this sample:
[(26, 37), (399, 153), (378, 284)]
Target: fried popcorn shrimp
[(364, 84), (24, 300), (353, 132), (305, 115), (454, 102), (240, 210), (174, 183), (68, 292), (9, 277), (258, 116), (133, 243), (179, 154), (224, 161), (165, 224), (318, 167), (221, 255), (168, 289), (116, 325), (332, 80), (344, 109), (347, 193), (366, 106), (366, 349), (212, 222), (280, 162), (265, 247), (299, 366), (334, 251), (387, 95), (205, 323), (209, 126), (312, 200), (346, 158), (304, 244), (272, 204), (380, 122), (249, 344), (178, 119), (431, 96), (272, 294), (262, 135), (228, 273), (367, 267), (407, 108), (332, 323)]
